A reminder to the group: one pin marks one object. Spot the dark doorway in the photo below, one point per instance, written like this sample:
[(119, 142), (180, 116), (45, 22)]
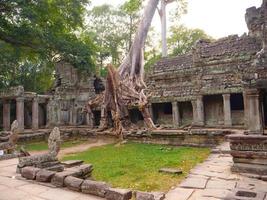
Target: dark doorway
[(237, 108), (162, 113)]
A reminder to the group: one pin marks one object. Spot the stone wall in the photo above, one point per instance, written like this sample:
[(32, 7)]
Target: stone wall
[(225, 68), (71, 93), (213, 68)]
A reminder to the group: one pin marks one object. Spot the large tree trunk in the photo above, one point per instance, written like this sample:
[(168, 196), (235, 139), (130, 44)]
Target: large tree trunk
[(163, 19), (125, 86)]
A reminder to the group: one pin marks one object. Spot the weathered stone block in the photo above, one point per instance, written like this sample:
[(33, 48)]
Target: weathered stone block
[(58, 178), (44, 175), (73, 183), (95, 188), (118, 194), (170, 171), (29, 172), (72, 163), (149, 196), (84, 170), (249, 168)]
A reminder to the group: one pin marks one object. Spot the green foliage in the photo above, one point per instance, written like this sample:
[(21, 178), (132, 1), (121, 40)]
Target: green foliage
[(112, 29), (136, 166), (180, 8), (182, 39), (41, 32)]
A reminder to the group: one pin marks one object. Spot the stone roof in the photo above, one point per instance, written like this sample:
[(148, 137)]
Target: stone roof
[(173, 64)]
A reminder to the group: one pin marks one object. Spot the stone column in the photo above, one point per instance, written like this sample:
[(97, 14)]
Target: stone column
[(245, 109), (6, 115), (198, 111), (227, 110), (175, 114), (253, 112), (35, 114), (20, 112)]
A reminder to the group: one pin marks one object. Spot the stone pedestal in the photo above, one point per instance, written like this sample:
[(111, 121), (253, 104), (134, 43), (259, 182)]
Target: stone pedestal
[(175, 114), (198, 111), (249, 153), (20, 112), (253, 112), (6, 115), (35, 114), (227, 110)]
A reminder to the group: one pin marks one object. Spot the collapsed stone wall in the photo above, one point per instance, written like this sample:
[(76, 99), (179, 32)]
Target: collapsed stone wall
[(71, 92)]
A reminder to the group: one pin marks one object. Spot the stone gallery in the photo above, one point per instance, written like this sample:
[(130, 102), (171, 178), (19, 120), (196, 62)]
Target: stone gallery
[(215, 93), (219, 84)]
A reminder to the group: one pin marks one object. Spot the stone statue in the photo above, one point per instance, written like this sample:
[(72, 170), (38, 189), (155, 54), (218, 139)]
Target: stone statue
[(10, 145), (48, 160), (54, 142)]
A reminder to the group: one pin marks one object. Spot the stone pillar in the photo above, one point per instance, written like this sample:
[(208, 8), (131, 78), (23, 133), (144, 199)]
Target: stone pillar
[(245, 109), (198, 111), (6, 115), (35, 114), (20, 112), (175, 114), (253, 112), (227, 110)]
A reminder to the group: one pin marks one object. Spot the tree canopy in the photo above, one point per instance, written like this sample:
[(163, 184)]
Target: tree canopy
[(42, 32), (182, 39)]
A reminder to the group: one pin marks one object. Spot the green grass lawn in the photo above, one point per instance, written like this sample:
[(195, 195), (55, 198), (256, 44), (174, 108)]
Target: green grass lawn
[(136, 165), (41, 146)]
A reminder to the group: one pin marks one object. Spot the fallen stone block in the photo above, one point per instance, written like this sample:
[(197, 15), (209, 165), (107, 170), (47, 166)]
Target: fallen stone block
[(149, 196), (118, 194), (44, 175), (84, 170), (72, 163), (56, 168), (58, 178), (29, 172), (171, 171), (95, 188), (73, 183)]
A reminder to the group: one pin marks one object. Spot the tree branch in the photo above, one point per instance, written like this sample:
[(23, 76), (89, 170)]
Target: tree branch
[(159, 11)]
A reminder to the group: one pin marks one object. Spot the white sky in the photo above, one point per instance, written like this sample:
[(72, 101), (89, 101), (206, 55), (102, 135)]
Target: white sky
[(218, 18)]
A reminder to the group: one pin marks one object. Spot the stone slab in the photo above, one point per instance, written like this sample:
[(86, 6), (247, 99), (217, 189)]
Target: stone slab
[(221, 184), (194, 183), (179, 194), (71, 163), (242, 194), (171, 171), (118, 194), (149, 196)]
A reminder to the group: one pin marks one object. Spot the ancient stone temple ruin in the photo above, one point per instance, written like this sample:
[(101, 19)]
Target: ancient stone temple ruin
[(219, 84), (30, 109)]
